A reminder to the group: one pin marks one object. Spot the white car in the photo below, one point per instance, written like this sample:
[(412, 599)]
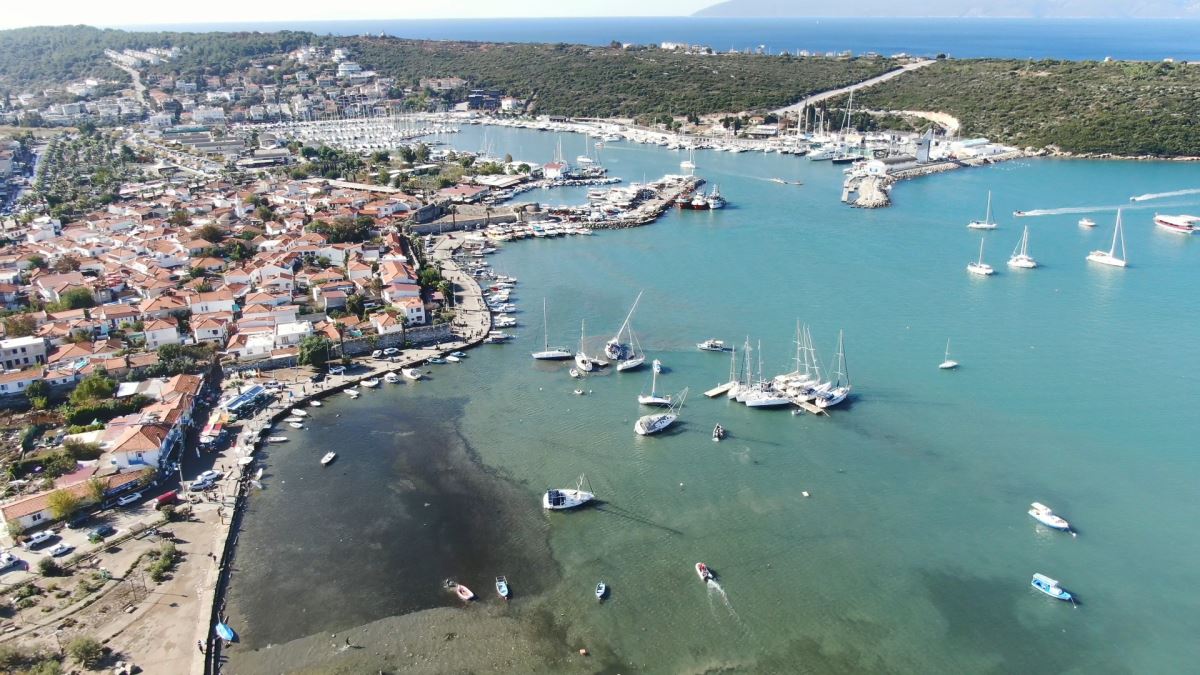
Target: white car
[(129, 499), (391, 351), (377, 354), (39, 539), (337, 370), (60, 550), (210, 475), (8, 560)]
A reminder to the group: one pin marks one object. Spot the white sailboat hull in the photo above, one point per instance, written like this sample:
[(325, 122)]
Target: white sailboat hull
[(653, 424), (583, 362), (655, 400), (981, 269), (1022, 262), (553, 355), (630, 364), (1106, 258)]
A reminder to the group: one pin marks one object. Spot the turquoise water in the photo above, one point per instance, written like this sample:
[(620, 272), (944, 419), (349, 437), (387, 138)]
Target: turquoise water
[(914, 552)]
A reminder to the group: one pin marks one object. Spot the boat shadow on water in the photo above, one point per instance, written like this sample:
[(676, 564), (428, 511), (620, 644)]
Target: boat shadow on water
[(614, 510)]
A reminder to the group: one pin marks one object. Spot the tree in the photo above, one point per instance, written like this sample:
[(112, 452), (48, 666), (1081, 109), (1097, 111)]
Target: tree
[(447, 290), (211, 233), (37, 262), (62, 503), (314, 351), (96, 489), (66, 263), (95, 387), (75, 298), (180, 218), (38, 389), (354, 305), (86, 651), (19, 325)]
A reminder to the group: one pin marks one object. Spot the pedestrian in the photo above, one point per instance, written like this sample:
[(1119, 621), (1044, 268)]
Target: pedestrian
[(200, 646)]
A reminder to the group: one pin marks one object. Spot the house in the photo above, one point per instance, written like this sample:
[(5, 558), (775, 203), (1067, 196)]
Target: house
[(16, 381), (160, 332), (386, 324), (413, 308), (35, 510), (465, 194), (209, 329), (288, 334), (555, 170), (248, 346), (214, 301), (21, 352)]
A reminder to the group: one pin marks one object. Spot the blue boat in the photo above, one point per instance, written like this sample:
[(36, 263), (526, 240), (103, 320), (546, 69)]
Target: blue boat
[(601, 590), (1050, 587), (225, 632)]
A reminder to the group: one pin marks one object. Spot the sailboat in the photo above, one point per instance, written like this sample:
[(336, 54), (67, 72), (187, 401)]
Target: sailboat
[(586, 158), (653, 398), (582, 362), (648, 425), (817, 388), (1110, 256), (802, 375), (764, 394), (690, 162), (981, 268), (948, 364), (548, 354), (561, 499), (619, 351), (987, 223), (1020, 257), (841, 383)]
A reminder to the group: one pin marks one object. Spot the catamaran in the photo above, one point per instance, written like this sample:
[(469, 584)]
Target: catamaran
[(582, 361), (1020, 256), (648, 425), (1110, 256), (653, 398), (841, 383), (987, 223), (560, 499), (948, 364), (548, 354), (981, 268), (625, 355)]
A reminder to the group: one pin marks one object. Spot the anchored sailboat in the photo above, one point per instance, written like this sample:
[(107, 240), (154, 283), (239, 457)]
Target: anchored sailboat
[(987, 223), (1110, 257), (841, 383), (948, 364), (648, 425), (548, 354), (1020, 257), (653, 398), (624, 354), (981, 268), (582, 361)]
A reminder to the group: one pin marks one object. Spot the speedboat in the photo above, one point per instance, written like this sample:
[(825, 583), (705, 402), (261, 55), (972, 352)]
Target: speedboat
[(412, 374), (561, 499), (391, 378), (718, 433), (1050, 587), (502, 587), (712, 345), (601, 590), (1087, 222), (329, 457), (371, 383), (1045, 516), (704, 573)]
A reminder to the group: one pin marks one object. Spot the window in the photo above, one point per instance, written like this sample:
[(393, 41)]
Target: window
[(36, 517)]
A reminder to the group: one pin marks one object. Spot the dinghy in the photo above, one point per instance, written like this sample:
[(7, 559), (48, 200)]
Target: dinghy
[(329, 457), (502, 587), (704, 573), (601, 590)]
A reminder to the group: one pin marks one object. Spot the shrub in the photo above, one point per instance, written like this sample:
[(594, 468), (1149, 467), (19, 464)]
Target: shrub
[(49, 567), (86, 651)]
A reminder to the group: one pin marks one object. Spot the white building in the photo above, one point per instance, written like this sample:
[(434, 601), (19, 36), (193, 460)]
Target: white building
[(22, 352)]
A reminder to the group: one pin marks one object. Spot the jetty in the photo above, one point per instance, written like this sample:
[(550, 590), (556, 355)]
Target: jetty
[(719, 389), (810, 407), (869, 186)]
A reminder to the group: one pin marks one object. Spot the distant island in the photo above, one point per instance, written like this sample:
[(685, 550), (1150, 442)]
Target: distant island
[(1017, 9)]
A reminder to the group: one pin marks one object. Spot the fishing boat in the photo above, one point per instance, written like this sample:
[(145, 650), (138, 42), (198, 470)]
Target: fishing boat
[(979, 267), (547, 353), (561, 499), (715, 200), (601, 591), (1087, 222), (411, 374), (841, 382), (1178, 224), (1043, 514), (296, 425), (648, 425), (948, 364), (370, 383), (502, 587), (987, 223), (277, 439), (1110, 256), (704, 573), (329, 457), (391, 377), (712, 345), (718, 433), (614, 348), (1020, 255), (582, 362), (1050, 587), (653, 398)]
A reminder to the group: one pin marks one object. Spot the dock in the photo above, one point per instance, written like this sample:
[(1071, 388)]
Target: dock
[(719, 389), (810, 407)]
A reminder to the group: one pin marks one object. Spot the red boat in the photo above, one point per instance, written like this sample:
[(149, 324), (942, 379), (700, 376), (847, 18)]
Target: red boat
[(1180, 224), (704, 573), (463, 592)]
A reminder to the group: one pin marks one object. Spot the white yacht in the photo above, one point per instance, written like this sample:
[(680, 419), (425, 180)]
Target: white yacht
[(1110, 256), (1043, 514), (391, 378), (561, 499), (1020, 256), (648, 425), (979, 267), (614, 348), (987, 223), (841, 383), (712, 345), (948, 364), (1087, 222), (653, 398), (548, 353)]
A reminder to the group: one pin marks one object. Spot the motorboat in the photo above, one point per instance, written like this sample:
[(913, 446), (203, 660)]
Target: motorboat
[(502, 587), (391, 377), (1178, 224), (1110, 256), (575, 372), (315, 404), (704, 573), (370, 383), (718, 433), (1087, 222), (648, 425), (987, 223), (1050, 587), (653, 398), (948, 364), (561, 499), (460, 355), (450, 358), (1043, 514), (601, 591), (296, 425), (979, 267), (328, 458), (411, 374), (435, 360), (712, 345), (352, 393), (1020, 256), (277, 439), (298, 412)]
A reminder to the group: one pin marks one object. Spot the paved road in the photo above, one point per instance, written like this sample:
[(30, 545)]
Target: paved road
[(832, 93)]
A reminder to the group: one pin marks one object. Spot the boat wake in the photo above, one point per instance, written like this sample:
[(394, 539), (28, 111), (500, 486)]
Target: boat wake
[(715, 592), (1095, 209), (1160, 195)]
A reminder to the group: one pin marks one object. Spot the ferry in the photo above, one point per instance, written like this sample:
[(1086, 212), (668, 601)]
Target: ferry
[(1178, 224)]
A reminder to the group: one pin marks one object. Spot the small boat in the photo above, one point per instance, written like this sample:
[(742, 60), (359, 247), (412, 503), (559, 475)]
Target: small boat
[(258, 474), (436, 360), (987, 223), (391, 377), (704, 573), (298, 412), (295, 419), (1020, 256), (1087, 222), (453, 359), (502, 587), (370, 383), (712, 345), (315, 404), (1110, 256), (458, 354), (601, 590), (1050, 587), (718, 433), (277, 439), (1045, 516), (412, 374), (574, 372), (981, 268), (465, 594), (560, 499), (948, 364), (224, 632), (579, 392), (329, 457), (352, 393), (295, 425)]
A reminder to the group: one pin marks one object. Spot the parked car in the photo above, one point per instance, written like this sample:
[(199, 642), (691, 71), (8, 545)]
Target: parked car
[(210, 475), (377, 354), (78, 521), (60, 550), (101, 532), (129, 499), (337, 370), (40, 539), (391, 351), (200, 485), (166, 498), (8, 560)]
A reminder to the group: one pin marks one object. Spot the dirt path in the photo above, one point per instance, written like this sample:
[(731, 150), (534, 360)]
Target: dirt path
[(832, 93)]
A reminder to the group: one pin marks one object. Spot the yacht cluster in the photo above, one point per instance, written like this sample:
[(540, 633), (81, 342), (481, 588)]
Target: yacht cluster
[(805, 386)]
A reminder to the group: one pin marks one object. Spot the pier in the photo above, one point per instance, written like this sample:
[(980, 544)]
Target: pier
[(868, 190)]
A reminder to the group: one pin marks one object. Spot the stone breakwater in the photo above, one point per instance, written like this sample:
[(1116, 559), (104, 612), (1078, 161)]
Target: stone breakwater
[(873, 192)]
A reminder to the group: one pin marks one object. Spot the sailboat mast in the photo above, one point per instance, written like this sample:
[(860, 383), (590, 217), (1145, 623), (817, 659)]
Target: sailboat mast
[(545, 327)]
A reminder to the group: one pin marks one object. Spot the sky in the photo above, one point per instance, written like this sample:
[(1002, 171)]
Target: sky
[(150, 12)]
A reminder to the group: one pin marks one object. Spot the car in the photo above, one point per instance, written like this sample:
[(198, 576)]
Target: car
[(8, 560), (378, 353), (39, 539), (60, 550), (318, 377), (210, 475), (101, 532), (337, 370), (129, 499), (200, 485), (78, 521)]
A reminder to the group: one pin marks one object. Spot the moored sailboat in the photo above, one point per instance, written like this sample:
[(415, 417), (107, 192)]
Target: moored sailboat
[(547, 353), (1020, 256), (948, 363), (648, 425), (987, 223), (561, 499), (582, 362), (1110, 256), (653, 398), (979, 267), (841, 383)]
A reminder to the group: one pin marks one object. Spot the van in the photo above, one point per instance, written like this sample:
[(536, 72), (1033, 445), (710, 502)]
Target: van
[(165, 498)]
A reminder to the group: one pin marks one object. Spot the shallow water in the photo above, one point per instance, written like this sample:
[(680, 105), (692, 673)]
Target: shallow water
[(913, 553)]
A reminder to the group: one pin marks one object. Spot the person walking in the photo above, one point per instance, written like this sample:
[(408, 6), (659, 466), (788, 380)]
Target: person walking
[(200, 646)]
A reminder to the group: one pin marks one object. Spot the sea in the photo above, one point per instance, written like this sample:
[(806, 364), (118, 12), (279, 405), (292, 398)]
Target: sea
[(1067, 39), (889, 537)]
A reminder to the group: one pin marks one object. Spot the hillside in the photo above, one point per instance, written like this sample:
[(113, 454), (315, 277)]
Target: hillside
[(1062, 9), (1121, 108)]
